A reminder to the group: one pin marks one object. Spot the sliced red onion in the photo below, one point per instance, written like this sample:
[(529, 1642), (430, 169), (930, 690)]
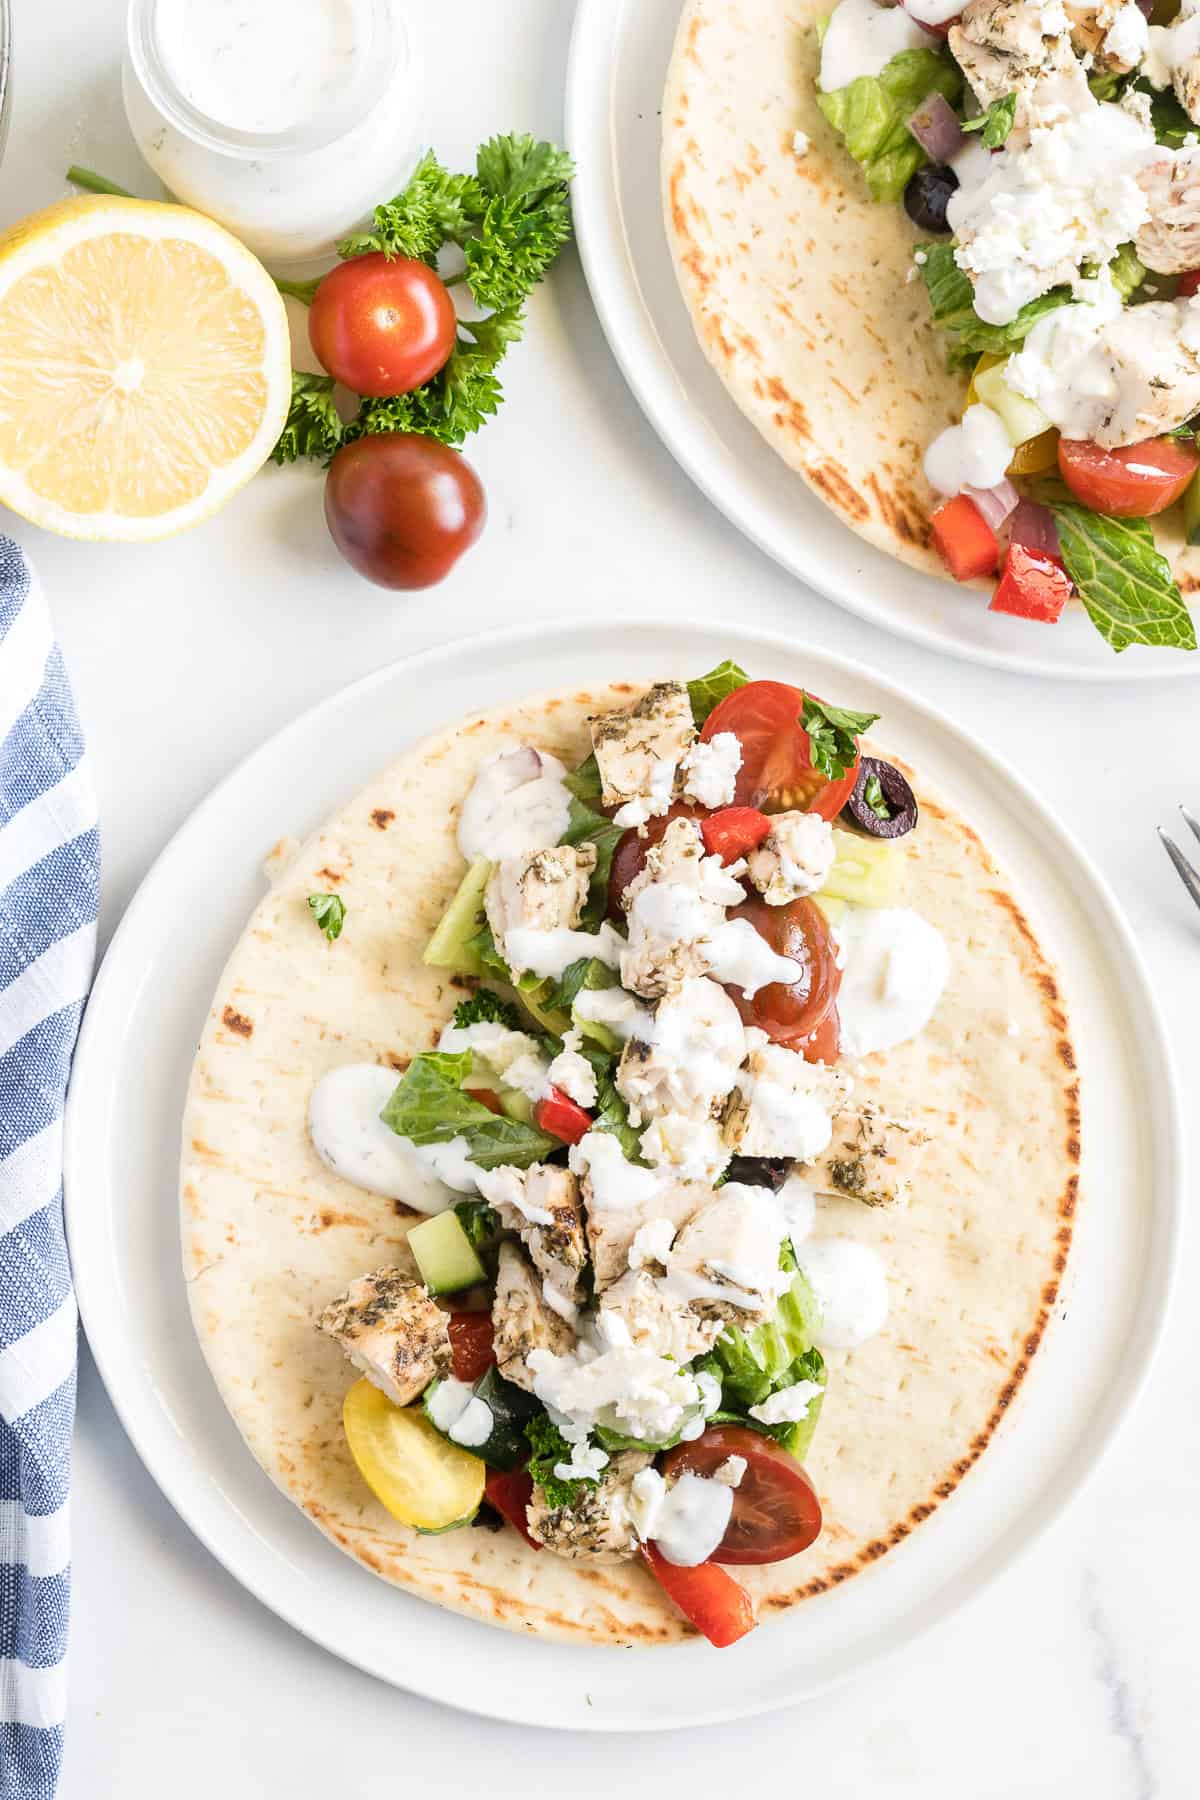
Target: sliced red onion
[(1033, 526), (516, 767), (936, 128), (995, 503)]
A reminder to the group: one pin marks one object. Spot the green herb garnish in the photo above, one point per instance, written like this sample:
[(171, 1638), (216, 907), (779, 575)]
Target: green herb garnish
[(708, 693), (995, 124), (329, 911), (832, 734), (1124, 582), (547, 1447), (873, 795), (486, 1008), (314, 426)]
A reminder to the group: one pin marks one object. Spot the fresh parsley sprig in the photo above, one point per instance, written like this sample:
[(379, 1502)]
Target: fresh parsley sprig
[(547, 1447), (314, 426), (832, 735), (995, 124), (329, 911)]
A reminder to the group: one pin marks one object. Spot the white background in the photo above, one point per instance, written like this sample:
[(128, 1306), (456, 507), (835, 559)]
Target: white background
[(1077, 1675)]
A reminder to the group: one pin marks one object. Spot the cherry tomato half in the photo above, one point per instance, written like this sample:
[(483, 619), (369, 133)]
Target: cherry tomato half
[(791, 1013), (777, 774), (776, 1512), (472, 1351), (1132, 483), (510, 1491), (382, 327), (629, 857), (402, 509), (708, 1598)]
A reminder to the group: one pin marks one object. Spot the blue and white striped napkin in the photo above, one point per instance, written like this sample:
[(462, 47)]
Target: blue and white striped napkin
[(49, 888)]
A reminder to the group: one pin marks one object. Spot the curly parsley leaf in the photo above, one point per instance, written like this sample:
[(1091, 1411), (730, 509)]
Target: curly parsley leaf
[(434, 208), (832, 734), (459, 397), (1124, 582), (547, 1447), (486, 1008), (708, 692), (995, 124), (314, 426), (329, 911)]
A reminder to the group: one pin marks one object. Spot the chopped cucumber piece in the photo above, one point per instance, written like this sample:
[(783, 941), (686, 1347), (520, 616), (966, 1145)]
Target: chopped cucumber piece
[(421, 1478), (599, 1034), (1020, 417), (506, 1445), (1191, 510), (550, 1018), (866, 871), (450, 946), (445, 1255), (833, 909), (517, 1105)]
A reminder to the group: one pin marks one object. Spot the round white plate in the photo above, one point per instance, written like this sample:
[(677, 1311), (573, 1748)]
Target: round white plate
[(123, 1117), (618, 65)]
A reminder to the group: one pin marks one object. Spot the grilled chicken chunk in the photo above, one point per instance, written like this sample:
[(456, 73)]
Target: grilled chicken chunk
[(674, 905), (612, 1229), (1154, 353), (638, 751), (782, 1105), (871, 1157), (597, 1529), (729, 1250), (1169, 241), (698, 1044), (543, 890), (392, 1331), (1112, 33), (521, 1320), (543, 1206), (794, 860), (656, 1321), (1021, 47)]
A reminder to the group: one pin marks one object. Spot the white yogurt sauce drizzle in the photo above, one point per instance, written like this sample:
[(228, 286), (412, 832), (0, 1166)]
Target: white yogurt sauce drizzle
[(850, 1283), (351, 1139), (896, 966), (518, 802)]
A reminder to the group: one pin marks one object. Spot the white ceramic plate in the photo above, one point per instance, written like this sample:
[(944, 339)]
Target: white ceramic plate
[(124, 1110), (619, 57)]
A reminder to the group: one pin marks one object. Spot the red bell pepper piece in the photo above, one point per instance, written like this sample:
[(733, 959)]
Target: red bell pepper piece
[(1034, 585), (562, 1118), (707, 1596), (734, 830), (966, 542), (487, 1097), (510, 1491), (472, 1350)]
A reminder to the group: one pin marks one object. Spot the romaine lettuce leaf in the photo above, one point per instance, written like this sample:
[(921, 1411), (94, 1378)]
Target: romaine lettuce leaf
[(953, 301), (752, 1364), (871, 115), (587, 826), (584, 782), (430, 1106), (1125, 583), (714, 687)]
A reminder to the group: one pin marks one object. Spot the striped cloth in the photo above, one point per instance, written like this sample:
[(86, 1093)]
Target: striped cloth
[(49, 886)]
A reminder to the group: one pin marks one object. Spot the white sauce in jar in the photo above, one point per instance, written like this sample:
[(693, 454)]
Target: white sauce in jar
[(850, 1283), (263, 65)]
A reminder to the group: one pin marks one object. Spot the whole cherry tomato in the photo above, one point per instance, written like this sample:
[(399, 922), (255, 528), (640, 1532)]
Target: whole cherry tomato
[(402, 509), (382, 326)]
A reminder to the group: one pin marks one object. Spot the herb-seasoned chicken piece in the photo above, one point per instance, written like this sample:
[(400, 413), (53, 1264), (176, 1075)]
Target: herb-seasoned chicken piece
[(1112, 33), (542, 890), (1021, 47), (794, 859), (521, 1320), (656, 1320), (674, 906), (612, 1229), (871, 1157), (726, 1258), (638, 752), (1169, 241), (389, 1327), (543, 1205), (597, 1528), (688, 1058), (782, 1105)]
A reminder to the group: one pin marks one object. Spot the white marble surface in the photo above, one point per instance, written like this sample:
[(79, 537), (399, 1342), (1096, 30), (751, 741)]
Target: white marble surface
[(1077, 1674)]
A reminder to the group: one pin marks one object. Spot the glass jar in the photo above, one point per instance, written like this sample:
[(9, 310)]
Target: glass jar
[(286, 120)]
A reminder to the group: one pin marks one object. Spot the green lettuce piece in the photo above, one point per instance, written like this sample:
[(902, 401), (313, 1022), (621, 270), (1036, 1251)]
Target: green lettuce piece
[(752, 1364), (1124, 582), (588, 972), (430, 1106), (953, 301), (589, 827), (714, 687), (611, 1112), (872, 113), (584, 782), (796, 1434)]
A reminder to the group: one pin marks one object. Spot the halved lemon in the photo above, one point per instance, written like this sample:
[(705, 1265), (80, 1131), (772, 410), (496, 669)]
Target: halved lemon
[(145, 368)]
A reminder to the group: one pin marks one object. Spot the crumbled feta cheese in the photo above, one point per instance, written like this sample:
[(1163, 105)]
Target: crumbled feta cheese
[(862, 38), (572, 1072), (512, 1057), (795, 858), (787, 1406), (654, 802), (711, 769), (1138, 106), (691, 1149), (974, 454), (587, 1463), (1037, 215), (1125, 38), (730, 1472), (614, 1383)]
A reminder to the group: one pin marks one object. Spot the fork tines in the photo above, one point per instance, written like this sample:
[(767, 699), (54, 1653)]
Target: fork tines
[(1188, 874)]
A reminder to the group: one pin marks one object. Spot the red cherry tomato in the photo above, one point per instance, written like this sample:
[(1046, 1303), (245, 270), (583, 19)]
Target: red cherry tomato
[(402, 509), (1034, 585), (777, 774), (708, 1597), (776, 1512), (1132, 483), (472, 1351), (382, 327), (826, 1041), (733, 831), (487, 1097), (510, 1491), (965, 541), (1189, 284), (629, 857), (790, 1013), (562, 1118)]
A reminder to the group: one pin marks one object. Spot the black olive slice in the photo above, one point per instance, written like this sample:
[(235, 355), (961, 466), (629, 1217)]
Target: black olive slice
[(882, 804), (760, 1171)]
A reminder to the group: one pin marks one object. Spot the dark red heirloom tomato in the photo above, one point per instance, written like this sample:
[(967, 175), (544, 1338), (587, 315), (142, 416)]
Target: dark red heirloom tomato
[(777, 773), (472, 1351), (776, 1512), (382, 326), (790, 1013), (402, 509)]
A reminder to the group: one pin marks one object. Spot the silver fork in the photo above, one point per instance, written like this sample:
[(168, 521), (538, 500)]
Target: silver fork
[(1188, 874)]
